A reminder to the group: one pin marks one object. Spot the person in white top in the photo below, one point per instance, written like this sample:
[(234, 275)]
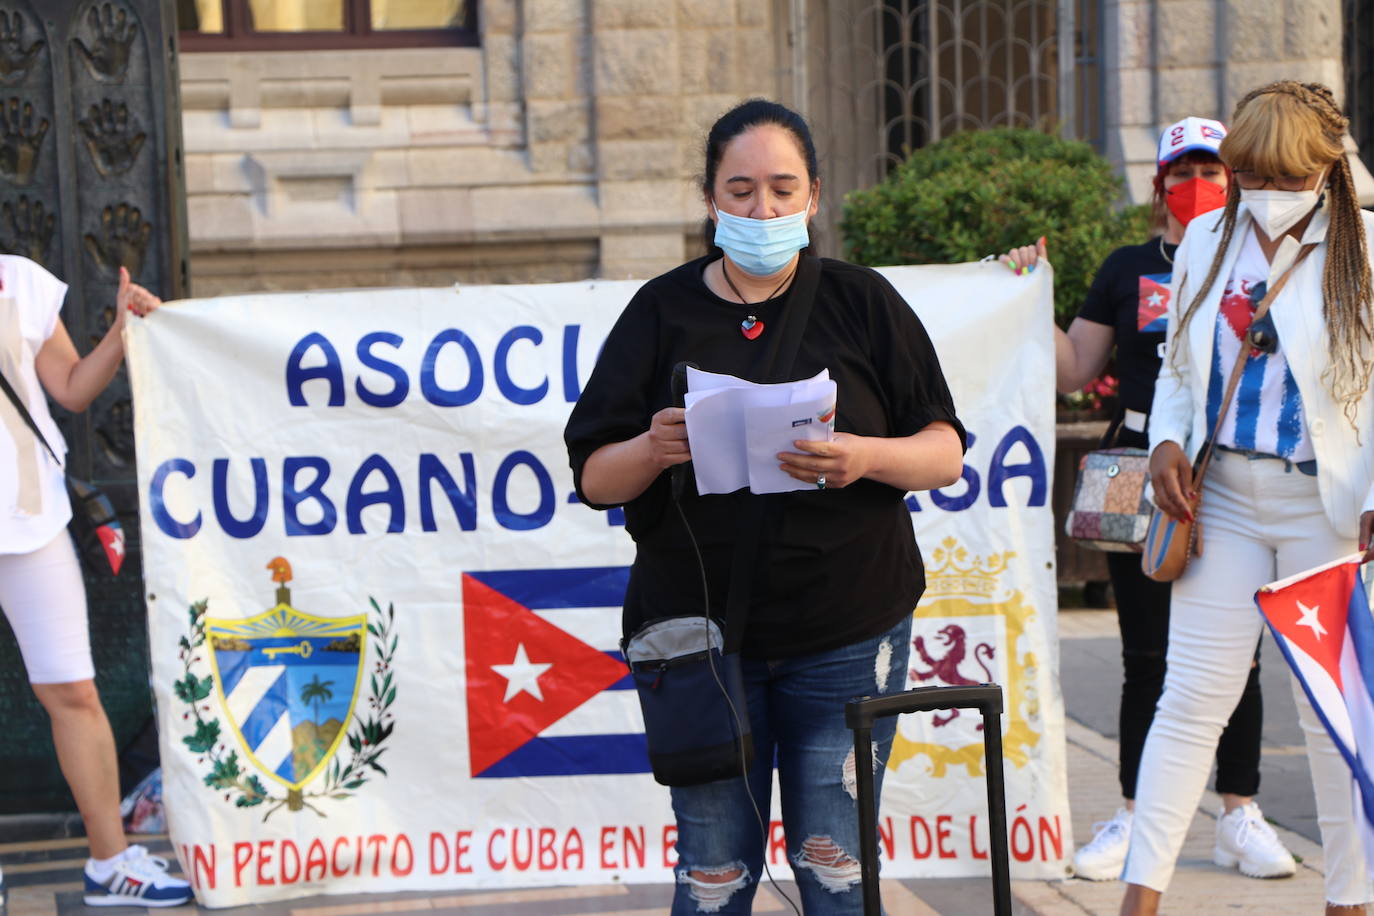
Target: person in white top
[(1126, 310), (1291, 483), (41, 592)]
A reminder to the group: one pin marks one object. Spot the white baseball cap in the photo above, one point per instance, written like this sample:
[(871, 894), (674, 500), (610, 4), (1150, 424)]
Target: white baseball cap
[(1190, 134)]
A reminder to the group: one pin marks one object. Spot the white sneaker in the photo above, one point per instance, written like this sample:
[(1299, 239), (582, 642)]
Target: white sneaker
[(1104, 857), (1245, 838), (136, 879)]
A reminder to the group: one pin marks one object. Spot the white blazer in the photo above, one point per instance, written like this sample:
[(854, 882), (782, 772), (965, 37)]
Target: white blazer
[(1345, 467)]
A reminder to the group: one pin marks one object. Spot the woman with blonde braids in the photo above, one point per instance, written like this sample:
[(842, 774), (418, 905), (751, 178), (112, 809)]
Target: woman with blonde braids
[(1122, 313), (1290, 486)]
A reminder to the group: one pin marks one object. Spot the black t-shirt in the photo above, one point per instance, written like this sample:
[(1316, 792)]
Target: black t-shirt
[(1130, 294), (834, 566)]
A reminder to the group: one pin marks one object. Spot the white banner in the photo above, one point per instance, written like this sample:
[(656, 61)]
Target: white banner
[(384, 633)]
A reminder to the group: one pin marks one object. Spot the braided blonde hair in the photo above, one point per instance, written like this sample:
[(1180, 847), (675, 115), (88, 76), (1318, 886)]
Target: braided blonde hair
[(1292, 128)]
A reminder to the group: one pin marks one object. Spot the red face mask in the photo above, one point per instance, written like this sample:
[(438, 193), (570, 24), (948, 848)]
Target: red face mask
[(1193, 198)]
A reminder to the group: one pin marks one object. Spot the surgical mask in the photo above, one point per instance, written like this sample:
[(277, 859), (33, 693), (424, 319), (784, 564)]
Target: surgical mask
[(1194, 197), (1277, 211), (762, 247)]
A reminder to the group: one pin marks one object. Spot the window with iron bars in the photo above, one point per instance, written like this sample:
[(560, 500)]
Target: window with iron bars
[(880, 78), (953, 65)]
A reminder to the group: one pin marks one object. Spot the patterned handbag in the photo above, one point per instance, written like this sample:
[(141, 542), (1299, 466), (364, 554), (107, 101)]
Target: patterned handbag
[(1111, 507)]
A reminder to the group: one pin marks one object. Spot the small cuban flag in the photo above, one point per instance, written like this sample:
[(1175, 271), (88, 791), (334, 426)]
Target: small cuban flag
[(1321, 621)]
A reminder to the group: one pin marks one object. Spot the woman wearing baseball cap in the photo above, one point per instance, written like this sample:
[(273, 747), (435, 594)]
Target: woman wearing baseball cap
[(1125, 310)]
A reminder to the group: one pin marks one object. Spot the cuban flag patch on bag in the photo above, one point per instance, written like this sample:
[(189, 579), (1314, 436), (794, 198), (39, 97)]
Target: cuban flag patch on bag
[(112, 539)]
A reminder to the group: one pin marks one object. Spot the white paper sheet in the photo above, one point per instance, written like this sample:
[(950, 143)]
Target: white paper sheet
[(737, 428)]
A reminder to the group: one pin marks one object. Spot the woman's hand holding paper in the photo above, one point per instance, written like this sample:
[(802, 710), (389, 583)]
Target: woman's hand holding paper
[(840, 461)]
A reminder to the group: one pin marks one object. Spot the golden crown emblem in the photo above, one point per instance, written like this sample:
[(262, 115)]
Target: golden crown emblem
[(952, 570)]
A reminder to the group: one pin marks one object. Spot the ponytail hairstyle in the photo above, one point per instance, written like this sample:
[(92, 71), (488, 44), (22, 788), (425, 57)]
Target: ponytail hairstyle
[(749, 114), (1292, 128)]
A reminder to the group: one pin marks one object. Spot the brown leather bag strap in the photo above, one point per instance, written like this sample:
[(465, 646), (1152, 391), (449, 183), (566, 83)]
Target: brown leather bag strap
[(1263, 309)]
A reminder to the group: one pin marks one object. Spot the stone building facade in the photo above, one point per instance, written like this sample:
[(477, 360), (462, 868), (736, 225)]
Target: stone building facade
[(1172, 58), (567, 141), (561, 147)]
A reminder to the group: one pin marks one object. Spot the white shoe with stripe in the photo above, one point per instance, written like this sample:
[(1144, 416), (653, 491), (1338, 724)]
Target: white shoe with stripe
[(136, 879)]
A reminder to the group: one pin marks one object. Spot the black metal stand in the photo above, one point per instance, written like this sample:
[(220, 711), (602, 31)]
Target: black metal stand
[(860, 714)]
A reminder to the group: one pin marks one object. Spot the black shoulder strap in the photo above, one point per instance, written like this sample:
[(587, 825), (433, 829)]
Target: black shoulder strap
[(28, 420), (1118, 420), (796, 315)]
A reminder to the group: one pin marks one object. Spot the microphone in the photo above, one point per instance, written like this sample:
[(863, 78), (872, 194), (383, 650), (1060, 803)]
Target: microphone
[(679, 382), (678, 387)]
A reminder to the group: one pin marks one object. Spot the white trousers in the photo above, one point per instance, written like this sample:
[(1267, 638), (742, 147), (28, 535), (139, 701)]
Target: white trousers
[(1260, 521), (44, 599)]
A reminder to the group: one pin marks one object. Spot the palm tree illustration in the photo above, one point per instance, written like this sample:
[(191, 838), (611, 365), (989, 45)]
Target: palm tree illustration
[(317, 692)]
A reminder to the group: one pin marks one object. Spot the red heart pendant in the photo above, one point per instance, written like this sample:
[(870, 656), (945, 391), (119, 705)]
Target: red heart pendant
[(751, 328)]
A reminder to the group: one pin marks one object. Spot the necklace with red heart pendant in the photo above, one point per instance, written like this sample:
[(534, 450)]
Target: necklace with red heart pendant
[(751, 327)]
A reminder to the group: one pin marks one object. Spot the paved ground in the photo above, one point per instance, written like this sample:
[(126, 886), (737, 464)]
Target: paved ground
[(44, 875)]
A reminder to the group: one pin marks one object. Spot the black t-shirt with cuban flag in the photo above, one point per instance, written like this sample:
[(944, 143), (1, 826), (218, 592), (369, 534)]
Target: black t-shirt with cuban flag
[(1130, 294)]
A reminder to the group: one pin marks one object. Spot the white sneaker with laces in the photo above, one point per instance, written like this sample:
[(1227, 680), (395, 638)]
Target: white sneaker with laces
[(136, 879), (1105, 855), (1245, 839)]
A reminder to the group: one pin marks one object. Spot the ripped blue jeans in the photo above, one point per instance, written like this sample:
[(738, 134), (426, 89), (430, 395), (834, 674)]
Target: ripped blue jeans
[(796, 711)]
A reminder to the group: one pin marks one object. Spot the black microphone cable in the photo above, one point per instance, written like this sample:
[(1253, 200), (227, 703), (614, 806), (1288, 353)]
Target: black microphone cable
[(679, 475)]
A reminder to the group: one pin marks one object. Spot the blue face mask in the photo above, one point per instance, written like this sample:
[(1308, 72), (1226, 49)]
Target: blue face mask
[(762, 247)]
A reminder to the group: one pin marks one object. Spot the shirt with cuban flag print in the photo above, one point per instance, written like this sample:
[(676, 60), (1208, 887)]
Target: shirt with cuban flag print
[(1266, 412), (1130, 294)]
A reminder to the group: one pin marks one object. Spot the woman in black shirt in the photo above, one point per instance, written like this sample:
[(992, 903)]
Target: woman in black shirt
[(1125, 308), (838, 572)]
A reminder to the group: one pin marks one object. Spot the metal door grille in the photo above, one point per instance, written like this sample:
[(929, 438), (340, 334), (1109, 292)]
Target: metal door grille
[(1359, 75), (880, 78)]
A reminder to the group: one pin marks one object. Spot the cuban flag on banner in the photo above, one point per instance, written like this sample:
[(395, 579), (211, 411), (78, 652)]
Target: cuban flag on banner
[(548, 691), (1321, 621)]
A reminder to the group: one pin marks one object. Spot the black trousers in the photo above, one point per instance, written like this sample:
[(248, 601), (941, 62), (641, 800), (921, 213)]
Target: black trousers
[(1142, 611)]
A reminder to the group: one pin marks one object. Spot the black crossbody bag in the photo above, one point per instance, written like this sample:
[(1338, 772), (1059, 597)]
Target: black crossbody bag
[(95, 528), (687, 673)]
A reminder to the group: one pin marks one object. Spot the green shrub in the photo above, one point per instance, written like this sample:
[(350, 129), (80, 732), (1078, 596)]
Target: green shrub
[(983, 192)]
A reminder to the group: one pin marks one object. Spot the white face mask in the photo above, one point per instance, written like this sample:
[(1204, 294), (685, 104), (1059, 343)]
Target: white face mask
[(762, 247), (1277, 211)]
